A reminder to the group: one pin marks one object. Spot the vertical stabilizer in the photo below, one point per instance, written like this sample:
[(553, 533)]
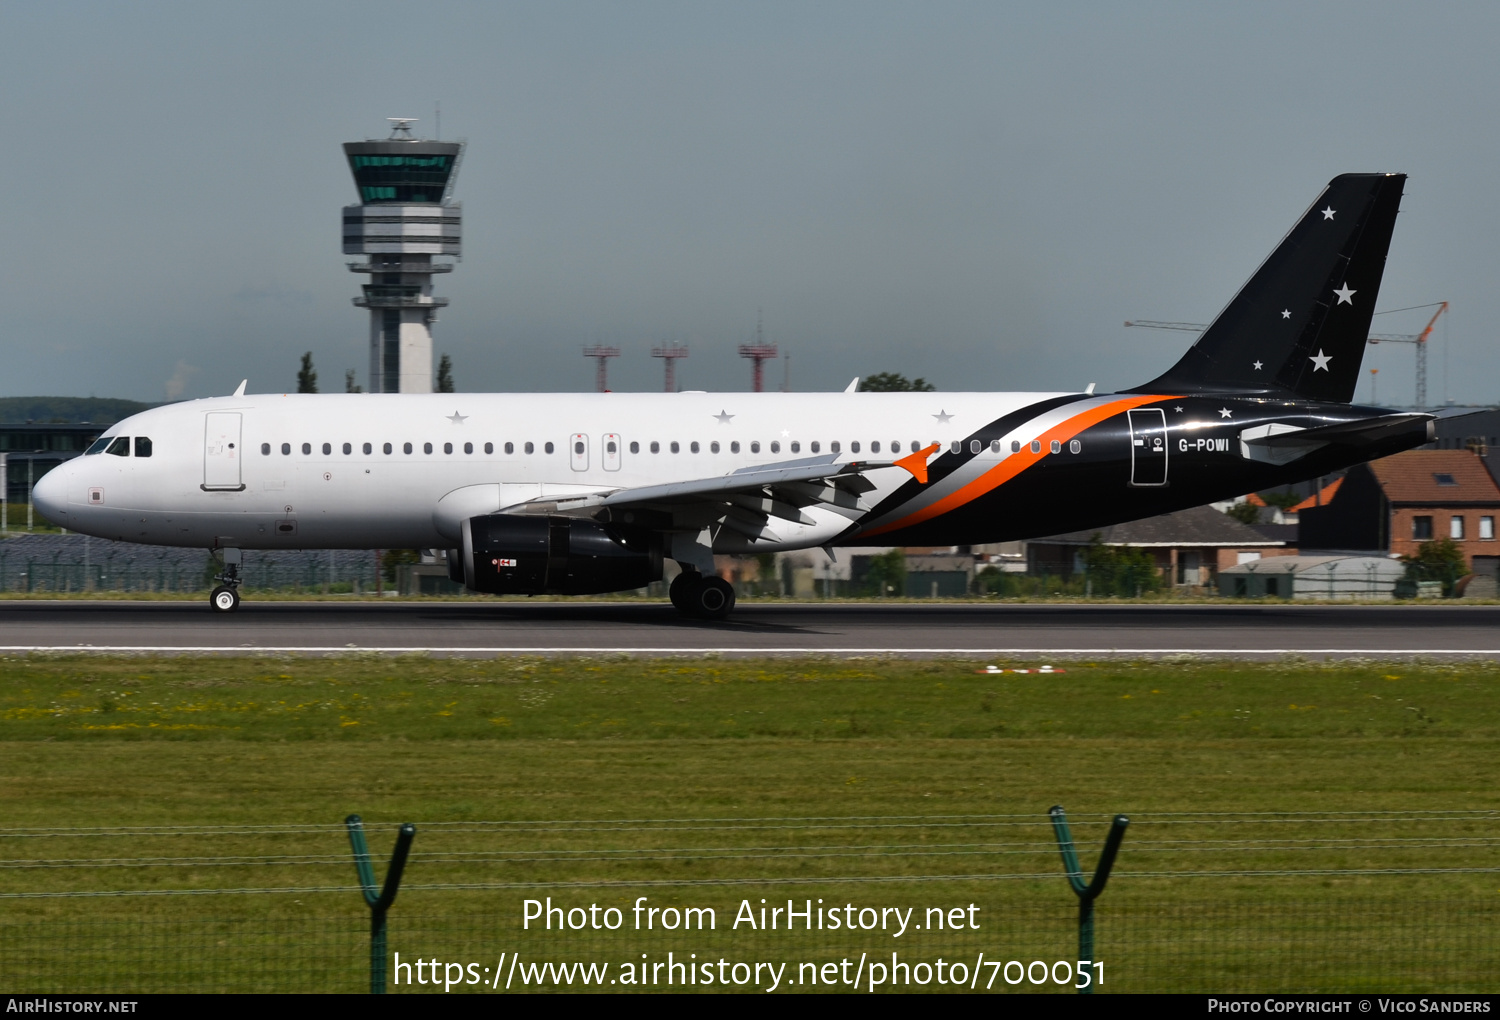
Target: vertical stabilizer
[(1299, 326)]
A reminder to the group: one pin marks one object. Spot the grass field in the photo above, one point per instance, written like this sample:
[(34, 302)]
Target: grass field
[(889, 782)]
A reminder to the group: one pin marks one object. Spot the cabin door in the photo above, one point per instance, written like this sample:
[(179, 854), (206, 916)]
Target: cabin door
[(1148, 446), (222, 451)]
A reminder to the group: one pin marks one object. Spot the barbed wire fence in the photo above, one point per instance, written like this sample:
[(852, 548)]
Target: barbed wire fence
[(1283, 902)]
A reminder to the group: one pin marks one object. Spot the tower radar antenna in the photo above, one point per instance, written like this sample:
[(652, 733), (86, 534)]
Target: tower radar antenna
[(401, 128)]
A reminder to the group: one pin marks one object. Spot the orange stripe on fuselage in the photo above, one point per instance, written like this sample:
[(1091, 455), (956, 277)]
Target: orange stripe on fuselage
[(1013, 465)]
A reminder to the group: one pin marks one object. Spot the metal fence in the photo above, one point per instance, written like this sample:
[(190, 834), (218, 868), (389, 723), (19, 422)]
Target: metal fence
[(77, 563), (1299, 902)]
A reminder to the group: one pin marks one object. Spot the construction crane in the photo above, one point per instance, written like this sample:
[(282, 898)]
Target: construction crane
[(1418, 339), (670, 353)]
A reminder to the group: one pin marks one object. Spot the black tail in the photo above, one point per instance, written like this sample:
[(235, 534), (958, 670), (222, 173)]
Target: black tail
[(1300, 325)]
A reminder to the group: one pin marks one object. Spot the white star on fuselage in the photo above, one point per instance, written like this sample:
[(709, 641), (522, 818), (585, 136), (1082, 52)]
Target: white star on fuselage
[(1328, 212), (724, 417), (1225, 412), (1286, 313), (458, 419), (943, 417), (1346, 296), (1257, 366), (1320, 360), (785, 433)]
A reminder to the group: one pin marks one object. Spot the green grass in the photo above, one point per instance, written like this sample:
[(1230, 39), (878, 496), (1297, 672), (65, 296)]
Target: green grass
[(181, 742)]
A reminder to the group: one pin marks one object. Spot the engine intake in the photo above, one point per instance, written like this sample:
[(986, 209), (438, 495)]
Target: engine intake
[(507, 554)]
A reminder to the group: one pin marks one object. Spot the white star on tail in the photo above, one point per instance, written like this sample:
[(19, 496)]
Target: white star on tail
[(1286, 314), (1225, 412), (1328, 212), (1320, 361), (1257, 366), (1346, 296)]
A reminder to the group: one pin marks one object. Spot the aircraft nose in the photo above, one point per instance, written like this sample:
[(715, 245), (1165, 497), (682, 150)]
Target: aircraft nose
[(50, 495)]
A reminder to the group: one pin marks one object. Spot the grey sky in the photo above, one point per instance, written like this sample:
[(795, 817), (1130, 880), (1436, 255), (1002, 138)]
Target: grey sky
[(976, 193)]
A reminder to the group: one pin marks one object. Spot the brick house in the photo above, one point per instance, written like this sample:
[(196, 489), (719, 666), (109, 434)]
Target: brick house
[(1189, 547), (1395, 504)]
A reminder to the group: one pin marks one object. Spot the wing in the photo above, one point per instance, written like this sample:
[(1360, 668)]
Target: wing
[(743, 501)]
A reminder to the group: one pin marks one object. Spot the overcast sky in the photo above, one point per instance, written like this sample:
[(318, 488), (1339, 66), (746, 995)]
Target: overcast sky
[(975, 193)]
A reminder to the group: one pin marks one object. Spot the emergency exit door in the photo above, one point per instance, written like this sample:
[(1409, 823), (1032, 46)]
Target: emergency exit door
[(1148, 446), (222, 452), (578, 450)]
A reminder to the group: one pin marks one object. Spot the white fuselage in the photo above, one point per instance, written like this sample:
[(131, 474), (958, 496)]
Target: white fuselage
[(271, 471)]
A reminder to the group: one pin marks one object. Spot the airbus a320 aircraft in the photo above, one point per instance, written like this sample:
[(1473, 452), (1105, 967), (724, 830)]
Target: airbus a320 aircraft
[(588, 493)]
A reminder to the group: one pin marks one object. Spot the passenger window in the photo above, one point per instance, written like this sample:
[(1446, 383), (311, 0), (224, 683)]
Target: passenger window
[(734, 446), (367, 448), (548, 447), (875, 446), (447, 447), (775, 446), (854, 446), (693, 446), (386, 447), (426, 447), (348, 449), (286, 449), (1074, 446), (755, 446), (306, 449), (957, 446), (833, 446), (635, 447), (675, 447), (796, 446), (713, 447), (578, 447), (489, 448), (406, 448), (1057, 446), (655, 446), (1015, 446), (265, 449), (1036, 446), (529, 448), (814, 446), (994, 446), (610, 447), (327, 449), (975, 446), (142, 446)]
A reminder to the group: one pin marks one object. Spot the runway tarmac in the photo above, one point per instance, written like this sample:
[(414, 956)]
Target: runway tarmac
[(552, 628)]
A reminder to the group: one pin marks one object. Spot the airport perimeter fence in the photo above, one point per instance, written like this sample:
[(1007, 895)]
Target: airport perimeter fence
[(75, 563), (1274, 902)]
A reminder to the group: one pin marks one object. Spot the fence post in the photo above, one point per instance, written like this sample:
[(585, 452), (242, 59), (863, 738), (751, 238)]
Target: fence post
[(1086, 893), (380, 902)]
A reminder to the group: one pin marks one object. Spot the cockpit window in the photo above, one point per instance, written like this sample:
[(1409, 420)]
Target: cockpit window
[(99, 445), (120, 447), (142, 446)]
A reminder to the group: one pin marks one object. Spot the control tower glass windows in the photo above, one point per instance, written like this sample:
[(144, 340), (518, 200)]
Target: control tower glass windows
[(390, 351), (408, 177)]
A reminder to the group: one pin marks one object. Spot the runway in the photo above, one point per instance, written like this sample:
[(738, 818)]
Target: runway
[(592, 628)]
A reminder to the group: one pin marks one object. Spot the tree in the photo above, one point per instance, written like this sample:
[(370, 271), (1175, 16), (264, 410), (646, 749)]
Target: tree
[(307, 379), (350, 386), (886, 574), (1441, 561), (445, 375), (1119, 570), (1245, 512), (1286, 498), (894, 382)]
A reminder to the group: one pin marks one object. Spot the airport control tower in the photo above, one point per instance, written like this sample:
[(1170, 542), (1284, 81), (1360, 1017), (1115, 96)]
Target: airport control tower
[(404, 218)]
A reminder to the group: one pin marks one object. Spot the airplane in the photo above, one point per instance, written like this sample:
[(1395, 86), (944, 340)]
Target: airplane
[(589, 493)]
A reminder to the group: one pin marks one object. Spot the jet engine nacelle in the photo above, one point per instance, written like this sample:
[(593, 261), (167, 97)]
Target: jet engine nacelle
[(508, 554)]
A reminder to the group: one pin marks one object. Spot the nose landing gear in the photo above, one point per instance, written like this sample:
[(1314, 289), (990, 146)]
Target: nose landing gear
[(226, 597)]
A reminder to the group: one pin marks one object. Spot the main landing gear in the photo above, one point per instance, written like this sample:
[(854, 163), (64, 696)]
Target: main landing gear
[(226, 597), (703, 598)]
